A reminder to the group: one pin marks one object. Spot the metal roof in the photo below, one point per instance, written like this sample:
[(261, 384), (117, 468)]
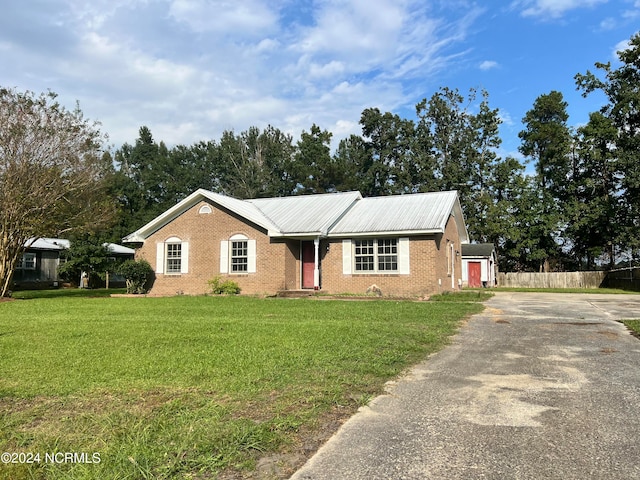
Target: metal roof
[(329, 214), (306, 214), (426, 212), (45, 243)]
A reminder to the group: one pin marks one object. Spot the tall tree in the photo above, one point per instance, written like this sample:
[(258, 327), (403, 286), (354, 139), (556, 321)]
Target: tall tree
[(51, 174), (390, 143), (547, 140), (256, 164), (353, 159), (141, 181), (621, 86), (593, 210), (315, 171), (458, 142)]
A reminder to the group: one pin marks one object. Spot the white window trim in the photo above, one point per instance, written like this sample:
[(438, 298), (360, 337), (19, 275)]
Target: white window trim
[(349, 258), (161, 256), (23, 261), (225, 255)]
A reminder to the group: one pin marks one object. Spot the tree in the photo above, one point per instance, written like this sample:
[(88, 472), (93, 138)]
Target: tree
[(314, 169), (88, 255), (547, 140), (51, 174), (593, 211), (621, 86), (353, 159), (255, 164), (390, 145), (457, 151)]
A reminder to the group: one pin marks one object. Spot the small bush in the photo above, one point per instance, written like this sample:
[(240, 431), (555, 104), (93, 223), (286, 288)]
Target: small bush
[(228, 287), (137, 274)]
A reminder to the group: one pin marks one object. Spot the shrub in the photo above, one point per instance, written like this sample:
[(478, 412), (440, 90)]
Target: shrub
[(137, 274), (228, 287)]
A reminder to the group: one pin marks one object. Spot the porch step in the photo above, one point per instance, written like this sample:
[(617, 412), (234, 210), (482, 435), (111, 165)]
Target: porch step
[(295, 293)]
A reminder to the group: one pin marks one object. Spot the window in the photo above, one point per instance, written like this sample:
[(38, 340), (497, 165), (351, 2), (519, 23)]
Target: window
[(174, 257), (379, 255), (388, 254), (364, 255), (28, 262), (239, 255), (376, 256)]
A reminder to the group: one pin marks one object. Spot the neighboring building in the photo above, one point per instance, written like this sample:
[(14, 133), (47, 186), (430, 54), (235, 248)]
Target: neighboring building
[(407, 245), (479, 265), (38, 267)]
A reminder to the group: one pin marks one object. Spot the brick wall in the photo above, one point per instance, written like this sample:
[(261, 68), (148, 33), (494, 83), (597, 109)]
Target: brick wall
[(428, 264), (204, 233), (278, 260)]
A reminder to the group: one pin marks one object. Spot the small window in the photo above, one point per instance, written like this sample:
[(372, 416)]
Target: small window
[(174, 257), (204, 209), (28, 262), (239, 255)]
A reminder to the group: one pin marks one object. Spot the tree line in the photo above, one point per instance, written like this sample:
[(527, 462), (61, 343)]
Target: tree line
[(580, 207)]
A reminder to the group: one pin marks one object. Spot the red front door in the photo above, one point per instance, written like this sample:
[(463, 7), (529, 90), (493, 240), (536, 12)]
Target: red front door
[(475, 270), (308, 264)]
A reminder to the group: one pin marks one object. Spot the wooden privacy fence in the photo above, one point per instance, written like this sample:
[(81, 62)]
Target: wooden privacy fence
[(551, 280), (627, 279)]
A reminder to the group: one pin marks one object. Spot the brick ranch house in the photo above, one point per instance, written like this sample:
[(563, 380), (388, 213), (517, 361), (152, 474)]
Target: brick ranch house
[(406, 245)]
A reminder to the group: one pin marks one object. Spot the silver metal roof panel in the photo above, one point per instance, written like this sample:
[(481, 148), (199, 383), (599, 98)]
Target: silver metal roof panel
[(426, 212), (310, 214)]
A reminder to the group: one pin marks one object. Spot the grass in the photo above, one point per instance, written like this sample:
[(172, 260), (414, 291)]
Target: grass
[(634, 326), (67, 292), (188, 387)]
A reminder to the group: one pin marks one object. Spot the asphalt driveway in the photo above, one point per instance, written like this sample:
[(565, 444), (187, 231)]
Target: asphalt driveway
[(538, 386)]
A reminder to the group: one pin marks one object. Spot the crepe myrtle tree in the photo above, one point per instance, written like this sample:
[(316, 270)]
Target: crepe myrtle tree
[(51, 174)]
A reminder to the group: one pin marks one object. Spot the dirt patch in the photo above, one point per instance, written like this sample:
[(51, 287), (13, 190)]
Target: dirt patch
[(283, 464)]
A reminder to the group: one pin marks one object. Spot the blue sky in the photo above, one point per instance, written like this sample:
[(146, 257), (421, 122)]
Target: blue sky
[(190, 69)]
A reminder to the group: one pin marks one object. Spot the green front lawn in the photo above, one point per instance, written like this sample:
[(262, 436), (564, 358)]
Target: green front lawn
[(634, 326), (190, 386)]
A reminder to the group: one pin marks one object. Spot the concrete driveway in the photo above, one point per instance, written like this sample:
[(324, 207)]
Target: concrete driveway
[(538, 386)]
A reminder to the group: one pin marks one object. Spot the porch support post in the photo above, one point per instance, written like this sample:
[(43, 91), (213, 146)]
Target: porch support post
[(316, 266)]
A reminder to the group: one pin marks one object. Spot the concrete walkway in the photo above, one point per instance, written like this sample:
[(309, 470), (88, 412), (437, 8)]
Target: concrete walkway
[(538, 386)]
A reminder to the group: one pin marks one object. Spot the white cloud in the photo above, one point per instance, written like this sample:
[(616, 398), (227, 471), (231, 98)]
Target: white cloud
[(247, 18), (620, 47), (488, 65), (189, 69), (551, 8)]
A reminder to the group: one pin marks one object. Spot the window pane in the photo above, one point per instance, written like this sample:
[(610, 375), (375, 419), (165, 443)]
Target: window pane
[(239, 256), (174, 257), (387, 254), (364, 255)]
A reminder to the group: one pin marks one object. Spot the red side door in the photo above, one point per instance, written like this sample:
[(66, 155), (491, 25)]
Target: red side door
[(475, 270), (308, 264)]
